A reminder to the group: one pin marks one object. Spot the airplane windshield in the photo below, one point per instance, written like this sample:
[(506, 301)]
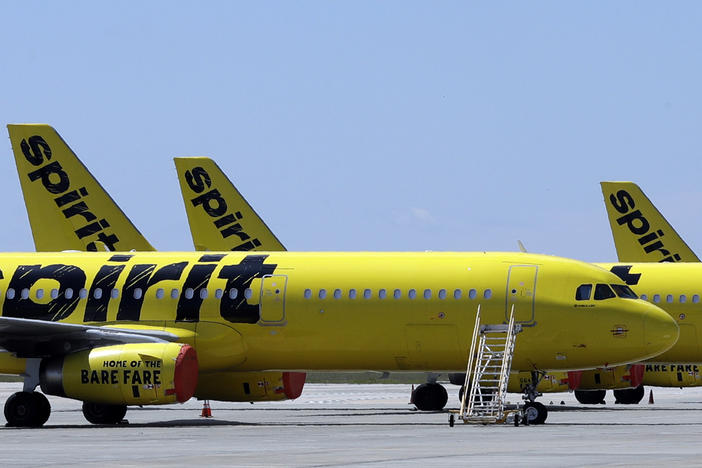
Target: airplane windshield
[(603, 291), (583, 292), (624, 291)]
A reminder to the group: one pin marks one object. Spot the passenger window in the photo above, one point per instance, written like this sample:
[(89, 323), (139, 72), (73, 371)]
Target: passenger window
[(175, 293), (160, 293), (11, 293), (115, 293), (218, 293), (603, 291), (337, 294), (669, 298), (427, 294), (97, 294), (54, 293), (24, 294), (472, 293), (656, 298), (644, 297), (367, 293), (233, 293), (696, 298), (308, 293), (442, 294), (322, 293), (189, 293), (137, 293), (583, 292), (397, 294), (487, 294), (624, 291), (352, 293), (40, 293), (203, 293), (683, 298), (457, 294), (382, 293), (69, 293), (412, 293), (248, 293), (83, 293)]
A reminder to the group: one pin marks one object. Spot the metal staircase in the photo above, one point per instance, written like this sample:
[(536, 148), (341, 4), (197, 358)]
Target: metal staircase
[(487, 374)]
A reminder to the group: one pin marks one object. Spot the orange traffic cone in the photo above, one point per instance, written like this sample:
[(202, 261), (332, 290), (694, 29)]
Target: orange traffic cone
[(650, 397), (412, 395), (206, 411)]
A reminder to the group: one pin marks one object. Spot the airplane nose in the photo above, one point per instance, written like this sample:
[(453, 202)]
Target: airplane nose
[(660, 330)]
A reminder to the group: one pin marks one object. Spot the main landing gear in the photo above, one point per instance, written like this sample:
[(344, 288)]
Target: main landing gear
[(27, 409), (591, 397), (430, 396), (629, 396), (99, 413)]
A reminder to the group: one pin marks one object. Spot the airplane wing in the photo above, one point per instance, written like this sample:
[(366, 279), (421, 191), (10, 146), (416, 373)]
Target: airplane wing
[(220, 218), (641, 233), (67, 207), (40, 338)]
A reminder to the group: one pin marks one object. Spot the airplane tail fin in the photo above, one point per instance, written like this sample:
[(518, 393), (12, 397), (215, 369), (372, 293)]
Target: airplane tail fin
[(219, 216), (641, 233), (68, 209)]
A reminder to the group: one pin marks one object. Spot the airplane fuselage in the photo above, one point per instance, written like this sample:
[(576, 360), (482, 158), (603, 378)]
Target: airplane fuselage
[(336, 311)]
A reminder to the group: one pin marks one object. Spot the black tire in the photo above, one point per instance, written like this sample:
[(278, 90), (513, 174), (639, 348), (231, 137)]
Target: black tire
[(590, 397), (535, 413), (452, 420), (25, 409), (629, 396), (44, 408), (99, 413), (430, 397)]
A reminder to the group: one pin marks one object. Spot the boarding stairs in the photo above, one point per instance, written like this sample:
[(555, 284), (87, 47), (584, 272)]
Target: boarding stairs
[(487, 374)]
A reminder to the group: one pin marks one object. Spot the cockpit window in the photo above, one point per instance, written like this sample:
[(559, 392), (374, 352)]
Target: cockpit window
[(624, 291), (583, 292), (603, 291)]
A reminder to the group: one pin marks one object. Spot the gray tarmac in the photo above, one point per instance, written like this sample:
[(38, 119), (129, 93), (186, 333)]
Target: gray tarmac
[(363, 425)]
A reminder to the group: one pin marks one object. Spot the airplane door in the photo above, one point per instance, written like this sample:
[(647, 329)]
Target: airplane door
[(272, 304), (521, 291)]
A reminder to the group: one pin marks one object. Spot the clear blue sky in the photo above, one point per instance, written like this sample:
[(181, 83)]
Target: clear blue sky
[(389, 125)]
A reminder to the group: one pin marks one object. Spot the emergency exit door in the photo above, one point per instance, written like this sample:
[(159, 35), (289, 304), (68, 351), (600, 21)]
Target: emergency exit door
[(272, 305), (521, 292)]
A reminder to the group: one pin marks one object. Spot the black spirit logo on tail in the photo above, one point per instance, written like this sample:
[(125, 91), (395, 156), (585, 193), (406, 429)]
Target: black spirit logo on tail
[(650, 240), (71, 202), (216, 207)]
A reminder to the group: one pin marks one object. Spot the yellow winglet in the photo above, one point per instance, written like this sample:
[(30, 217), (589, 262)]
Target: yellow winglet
[(641, 233), (68, 209), (219, 216)]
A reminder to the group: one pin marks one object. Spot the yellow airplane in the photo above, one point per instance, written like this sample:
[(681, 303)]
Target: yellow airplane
[(120, 328), (626, 381), (57, 228), (642, 234)]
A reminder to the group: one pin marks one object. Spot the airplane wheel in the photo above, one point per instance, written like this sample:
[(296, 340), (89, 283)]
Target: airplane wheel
[(629, 396), (98, 413), (535, 413), (590, 397), (430, 397), (27, 409)]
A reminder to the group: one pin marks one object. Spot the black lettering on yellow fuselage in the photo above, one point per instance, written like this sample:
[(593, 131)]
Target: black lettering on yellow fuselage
[(140, 277)]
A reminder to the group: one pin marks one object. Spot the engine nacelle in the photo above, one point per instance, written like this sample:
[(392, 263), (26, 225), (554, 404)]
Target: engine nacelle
[(129, 374), (250, 386)]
